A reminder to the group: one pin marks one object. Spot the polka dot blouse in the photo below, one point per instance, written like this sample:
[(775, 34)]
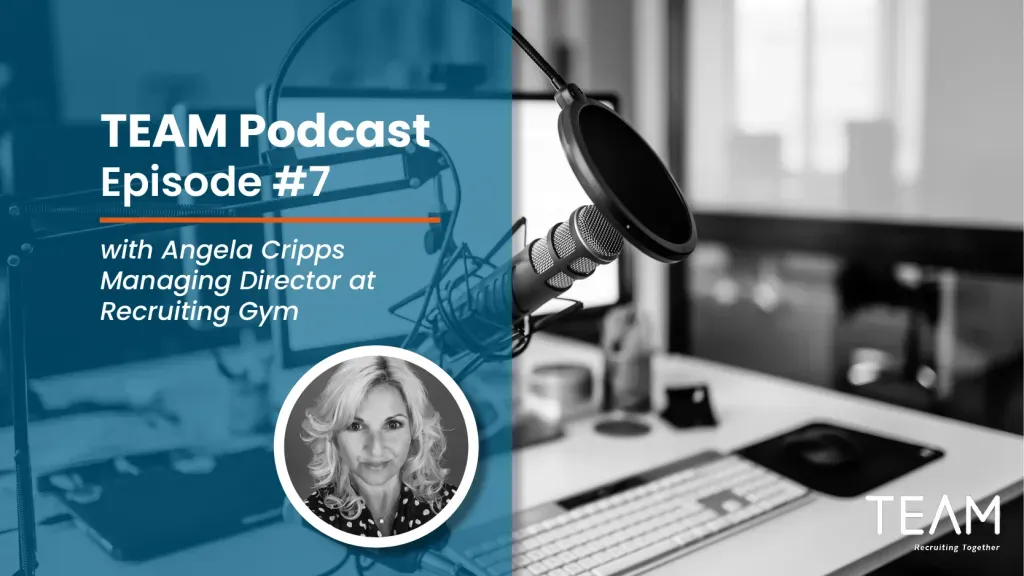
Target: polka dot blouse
[(409, 514)]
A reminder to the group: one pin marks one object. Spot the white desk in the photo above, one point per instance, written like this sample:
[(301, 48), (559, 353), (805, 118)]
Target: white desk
[(827, 536)]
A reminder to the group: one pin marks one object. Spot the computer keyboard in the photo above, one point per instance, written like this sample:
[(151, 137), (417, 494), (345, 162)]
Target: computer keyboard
[(633, 525)]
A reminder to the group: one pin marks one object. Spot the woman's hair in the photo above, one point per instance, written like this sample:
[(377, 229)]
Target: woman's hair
[(335, 410)]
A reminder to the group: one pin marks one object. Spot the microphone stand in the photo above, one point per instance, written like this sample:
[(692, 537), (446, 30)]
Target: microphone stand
[(470, 344), (19, 240)]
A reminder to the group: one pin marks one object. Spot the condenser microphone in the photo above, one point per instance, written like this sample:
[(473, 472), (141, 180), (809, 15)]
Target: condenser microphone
[(618, 170), (570, 251), (543, 270)]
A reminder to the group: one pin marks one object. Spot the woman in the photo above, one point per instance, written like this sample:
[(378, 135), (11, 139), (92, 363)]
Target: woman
[(377, 445)]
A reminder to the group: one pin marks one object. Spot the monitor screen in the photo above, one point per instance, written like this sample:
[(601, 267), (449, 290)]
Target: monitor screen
[(63, 287), (545, 191), (214, 159)]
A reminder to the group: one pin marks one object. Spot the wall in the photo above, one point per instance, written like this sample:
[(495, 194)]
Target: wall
[(973, 142), (106, 59), (957, 88), (709, 97), (948, 131), (650, 87)]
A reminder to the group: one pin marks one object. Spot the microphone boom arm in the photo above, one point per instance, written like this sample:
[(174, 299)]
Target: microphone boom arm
[(19, 235), (479, 345)]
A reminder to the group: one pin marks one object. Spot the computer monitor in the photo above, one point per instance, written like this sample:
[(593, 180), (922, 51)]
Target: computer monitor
[(188, 160), (62, 277), (545, 191)]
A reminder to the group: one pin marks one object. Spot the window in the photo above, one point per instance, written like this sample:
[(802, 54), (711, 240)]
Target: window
[(769, 73), (804, 69)]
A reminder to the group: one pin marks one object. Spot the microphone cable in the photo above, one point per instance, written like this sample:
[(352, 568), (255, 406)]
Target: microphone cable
[(549, 71), (355, 557), (435, 279), (337, 567)]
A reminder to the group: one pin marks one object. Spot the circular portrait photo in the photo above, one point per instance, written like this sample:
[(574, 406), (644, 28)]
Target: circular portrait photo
[(376, 446)]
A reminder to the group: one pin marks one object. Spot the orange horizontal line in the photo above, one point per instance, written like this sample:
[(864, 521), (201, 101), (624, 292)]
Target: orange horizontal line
[(270, 220)]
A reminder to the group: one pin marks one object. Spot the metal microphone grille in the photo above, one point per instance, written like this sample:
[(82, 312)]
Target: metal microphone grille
[(560, 281), (597, 233), (583, 265), (540, 259), (564, 244)]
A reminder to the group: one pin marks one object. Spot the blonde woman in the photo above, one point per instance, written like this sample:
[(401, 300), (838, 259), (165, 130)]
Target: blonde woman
[(377, 445)]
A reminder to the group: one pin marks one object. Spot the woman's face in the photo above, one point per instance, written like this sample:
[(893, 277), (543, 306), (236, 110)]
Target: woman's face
[(376, 443)]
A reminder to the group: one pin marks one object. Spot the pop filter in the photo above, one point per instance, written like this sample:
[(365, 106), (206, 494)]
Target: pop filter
[(619, 171), (624, 178)]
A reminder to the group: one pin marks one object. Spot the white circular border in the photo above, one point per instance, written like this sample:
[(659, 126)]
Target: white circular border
[(299, 501)]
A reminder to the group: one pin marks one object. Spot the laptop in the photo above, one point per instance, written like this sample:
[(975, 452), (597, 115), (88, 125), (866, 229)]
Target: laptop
[(144, 506)]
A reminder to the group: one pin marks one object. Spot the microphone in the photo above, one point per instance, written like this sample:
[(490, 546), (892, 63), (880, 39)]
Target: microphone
[(620, 172), (622, 175), (571, 251), (543, 270)]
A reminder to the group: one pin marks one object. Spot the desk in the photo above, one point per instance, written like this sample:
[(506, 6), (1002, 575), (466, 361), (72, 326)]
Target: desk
[(827, 536)]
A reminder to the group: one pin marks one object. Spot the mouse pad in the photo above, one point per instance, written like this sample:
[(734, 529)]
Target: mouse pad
[(839, 461)]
